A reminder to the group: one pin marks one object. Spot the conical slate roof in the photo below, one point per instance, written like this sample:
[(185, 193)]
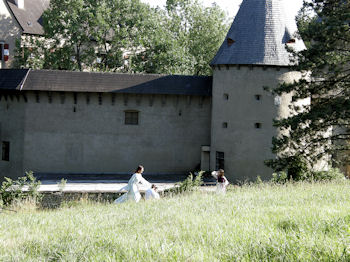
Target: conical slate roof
[(258, 35)]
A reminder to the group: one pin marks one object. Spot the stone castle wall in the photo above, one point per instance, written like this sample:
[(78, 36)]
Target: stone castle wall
[(85, 133)]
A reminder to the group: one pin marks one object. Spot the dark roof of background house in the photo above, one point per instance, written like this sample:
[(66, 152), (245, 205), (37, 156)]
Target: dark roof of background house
[(12, 78), (260, 31), (69, 81), (29, 18)]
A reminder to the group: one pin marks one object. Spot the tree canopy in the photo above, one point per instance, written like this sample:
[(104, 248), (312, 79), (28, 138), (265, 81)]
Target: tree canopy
[(126, 36), (320, 129)]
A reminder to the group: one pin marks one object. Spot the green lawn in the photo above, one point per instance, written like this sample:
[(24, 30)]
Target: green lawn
[(296, 222)]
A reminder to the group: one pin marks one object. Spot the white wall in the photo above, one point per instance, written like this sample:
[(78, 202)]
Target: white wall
[(94, 139)]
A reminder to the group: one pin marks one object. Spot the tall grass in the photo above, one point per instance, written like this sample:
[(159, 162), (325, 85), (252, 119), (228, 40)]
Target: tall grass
[(293, 222)]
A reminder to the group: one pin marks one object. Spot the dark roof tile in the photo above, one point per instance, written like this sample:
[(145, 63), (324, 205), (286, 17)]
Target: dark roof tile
[(30, 17), (258, 35), (69, 81)]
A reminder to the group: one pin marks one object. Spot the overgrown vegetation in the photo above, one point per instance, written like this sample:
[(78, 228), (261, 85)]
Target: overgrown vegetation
[(23, 188), (333, 174), (190, 184), (294, 222)]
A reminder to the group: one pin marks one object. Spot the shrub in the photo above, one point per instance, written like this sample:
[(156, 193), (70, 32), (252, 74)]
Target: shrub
[(258, 180), (23, 188), (332, 174), (279, 177), (297, 168), (62, 184), (190, 184)]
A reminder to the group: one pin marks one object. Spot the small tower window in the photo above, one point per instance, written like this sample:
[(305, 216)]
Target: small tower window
[(224, 125), (291, 41), (257, 125), (230, 41), (258, 97), (225, 96), (6, 151), (131, 117), (220, 160)]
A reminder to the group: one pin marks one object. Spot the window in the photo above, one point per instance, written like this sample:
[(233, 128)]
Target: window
[(225, 96), (4, 51), (230, 41), (224, 125), (1, 50), (220, 160), (131, 117), (258, 97), (257, 125), (6, 151)]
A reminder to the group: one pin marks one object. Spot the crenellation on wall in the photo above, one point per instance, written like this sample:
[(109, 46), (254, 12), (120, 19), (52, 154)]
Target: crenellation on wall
[(87, 98), (49, 97), (62, 97), (189, 100), (113, 99), (163, 100), (125, 98)]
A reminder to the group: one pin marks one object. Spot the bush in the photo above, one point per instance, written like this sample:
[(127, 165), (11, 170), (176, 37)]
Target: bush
[(24, 188), (190, 184), (332, 174), (297, 168), (279, 177)]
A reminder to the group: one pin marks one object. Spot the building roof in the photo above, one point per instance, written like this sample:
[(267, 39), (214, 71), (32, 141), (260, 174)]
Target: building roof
[(12, 78), (69, 81), (29, 18), (258, 35)]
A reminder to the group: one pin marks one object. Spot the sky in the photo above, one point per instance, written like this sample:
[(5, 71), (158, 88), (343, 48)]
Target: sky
[(232, 6)]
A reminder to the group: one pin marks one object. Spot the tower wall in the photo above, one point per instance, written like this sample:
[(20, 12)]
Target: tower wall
[(242, 118)]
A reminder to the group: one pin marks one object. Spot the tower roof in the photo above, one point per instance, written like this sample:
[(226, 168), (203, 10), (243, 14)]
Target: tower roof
[(258, 35)]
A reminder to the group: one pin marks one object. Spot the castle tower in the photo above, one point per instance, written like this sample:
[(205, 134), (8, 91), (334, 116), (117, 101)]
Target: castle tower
[(252, 56)]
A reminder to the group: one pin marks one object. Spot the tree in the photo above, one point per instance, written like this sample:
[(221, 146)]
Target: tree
[(185, 38), (85, 35), (68, 26), (118, 29), (320, 129), (126, 36)]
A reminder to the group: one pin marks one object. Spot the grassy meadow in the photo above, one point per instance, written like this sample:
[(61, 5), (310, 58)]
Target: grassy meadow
[(293, 222)]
